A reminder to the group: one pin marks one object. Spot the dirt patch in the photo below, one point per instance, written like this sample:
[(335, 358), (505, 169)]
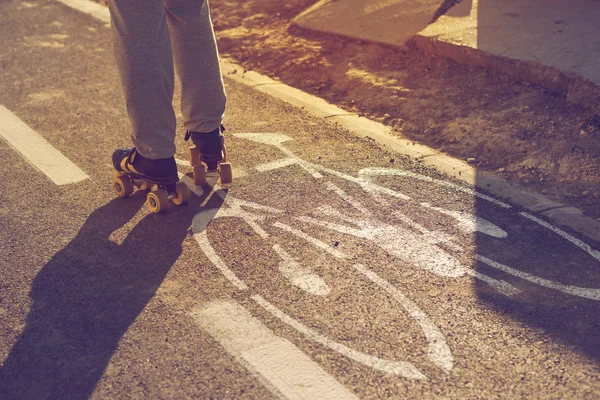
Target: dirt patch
[(510, 127)]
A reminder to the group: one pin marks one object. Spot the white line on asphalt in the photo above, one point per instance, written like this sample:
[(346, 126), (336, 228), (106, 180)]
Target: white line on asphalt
[(312, 240), (438, 351), (348, 199), (402, 368), (584, 246), (300, 276), (285, 370), (588, 293), (89, 7), (396, 172), (38, 151)]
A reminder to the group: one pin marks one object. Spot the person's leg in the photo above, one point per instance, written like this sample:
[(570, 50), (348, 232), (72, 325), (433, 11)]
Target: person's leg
[(196, 57), (144, 58)]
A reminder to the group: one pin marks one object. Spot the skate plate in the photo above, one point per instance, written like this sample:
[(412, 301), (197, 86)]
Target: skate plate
[(200, 171)]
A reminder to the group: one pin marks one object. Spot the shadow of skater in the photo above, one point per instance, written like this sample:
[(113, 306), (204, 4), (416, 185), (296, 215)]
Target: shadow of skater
[(87, 296)]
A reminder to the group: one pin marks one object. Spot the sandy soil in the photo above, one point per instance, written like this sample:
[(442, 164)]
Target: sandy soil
[(510, 127)]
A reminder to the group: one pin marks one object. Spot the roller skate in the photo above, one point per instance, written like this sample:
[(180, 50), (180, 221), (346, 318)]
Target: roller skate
[(208, 155), (159, 176)]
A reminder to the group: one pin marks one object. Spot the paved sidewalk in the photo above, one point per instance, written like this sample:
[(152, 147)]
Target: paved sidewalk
[(553, 43)]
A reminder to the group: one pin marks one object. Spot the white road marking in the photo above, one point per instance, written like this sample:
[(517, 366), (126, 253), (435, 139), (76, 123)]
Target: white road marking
[(314, 241), (299, 276), (395, 172), (470, 223), (199, 224), (286, 370), (38, 151), (502, 286), (349, 199), (583, 246), (438, 351), (401, 368), (593, 294), (96, 10), (416, 249), (277, 164), (276, 139), (205, 217)]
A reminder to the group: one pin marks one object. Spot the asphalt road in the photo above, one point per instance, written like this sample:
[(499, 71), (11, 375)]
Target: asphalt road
[(330, 268)]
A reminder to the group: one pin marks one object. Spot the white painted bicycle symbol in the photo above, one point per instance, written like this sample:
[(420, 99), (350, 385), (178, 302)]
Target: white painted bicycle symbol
[(399, 236)]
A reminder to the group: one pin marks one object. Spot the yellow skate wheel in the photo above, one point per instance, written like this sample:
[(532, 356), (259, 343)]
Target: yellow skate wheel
[(123, 186), (184, 194), (157, 201), (199, 175), (194, 156), (226, 173)]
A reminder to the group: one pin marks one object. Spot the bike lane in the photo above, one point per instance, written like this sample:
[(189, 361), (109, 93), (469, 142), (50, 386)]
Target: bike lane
[(363, 272)]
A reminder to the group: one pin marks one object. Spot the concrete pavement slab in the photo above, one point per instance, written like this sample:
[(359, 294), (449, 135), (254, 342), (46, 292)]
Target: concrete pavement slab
[(551, 43)]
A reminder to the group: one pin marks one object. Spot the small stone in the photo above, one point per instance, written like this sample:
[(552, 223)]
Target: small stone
[(386, 116), (392, 161), (544, 191), (501, 170), (471, 160), (585, 193), (596, 195)]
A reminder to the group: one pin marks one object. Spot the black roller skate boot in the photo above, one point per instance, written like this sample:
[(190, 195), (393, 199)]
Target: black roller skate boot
[(135, 171), (208, 155)]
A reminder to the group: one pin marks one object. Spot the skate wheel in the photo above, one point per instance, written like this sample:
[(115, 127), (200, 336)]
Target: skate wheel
[(123, 186), (226, 173), (183, 194), (199, 175), (194, 156), (157, 201)]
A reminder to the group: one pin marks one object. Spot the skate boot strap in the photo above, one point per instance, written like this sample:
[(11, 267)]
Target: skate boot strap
[(188, 134), (157, 171), (127, 162)]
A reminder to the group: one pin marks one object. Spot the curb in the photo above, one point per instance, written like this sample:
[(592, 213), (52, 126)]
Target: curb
[(576, 88), (561, 214)]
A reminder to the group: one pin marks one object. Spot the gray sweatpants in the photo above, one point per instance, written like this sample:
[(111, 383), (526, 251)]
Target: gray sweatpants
[(150, 36)]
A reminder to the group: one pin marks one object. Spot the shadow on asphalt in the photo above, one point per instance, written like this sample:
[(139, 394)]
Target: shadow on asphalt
[(569, 315), (86, 297)]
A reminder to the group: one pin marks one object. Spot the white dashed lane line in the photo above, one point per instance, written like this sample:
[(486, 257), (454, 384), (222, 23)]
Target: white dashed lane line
[(38, 151), (280, 365)]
